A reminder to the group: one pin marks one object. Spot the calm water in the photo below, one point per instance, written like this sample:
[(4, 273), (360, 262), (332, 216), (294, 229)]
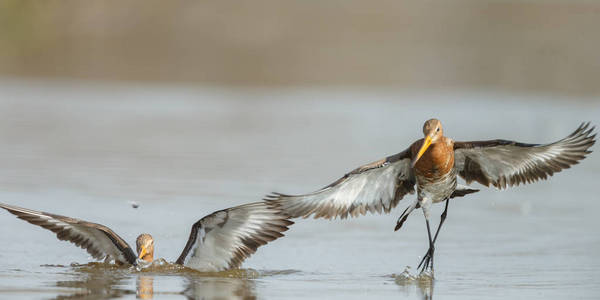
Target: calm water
[(88, 150)]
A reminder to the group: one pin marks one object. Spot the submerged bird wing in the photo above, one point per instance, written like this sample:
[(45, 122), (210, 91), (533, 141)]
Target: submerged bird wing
[(503, 163), (224, 239), (373, 187), (99, 240)]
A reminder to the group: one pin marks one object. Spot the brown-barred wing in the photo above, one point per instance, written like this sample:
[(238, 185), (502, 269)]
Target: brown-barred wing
[(374, 187), (99, 240), (503, 163), (224, 239)]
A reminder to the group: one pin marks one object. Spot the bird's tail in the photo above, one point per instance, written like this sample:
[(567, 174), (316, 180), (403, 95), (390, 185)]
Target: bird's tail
[(405, 214)]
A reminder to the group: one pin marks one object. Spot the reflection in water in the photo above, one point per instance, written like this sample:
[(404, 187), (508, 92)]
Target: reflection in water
[(145, 287), (104, 281), (107, 281), (425, 289), (422, 283), (219, 288), (96, 282)]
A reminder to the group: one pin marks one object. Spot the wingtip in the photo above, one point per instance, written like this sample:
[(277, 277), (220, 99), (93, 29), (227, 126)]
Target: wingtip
[(16, 210), (6, 206), (273, 196), (587, 128)]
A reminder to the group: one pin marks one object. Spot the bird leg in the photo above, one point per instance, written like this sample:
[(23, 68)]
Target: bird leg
[(442, 219), (428, 258), (429, 255)]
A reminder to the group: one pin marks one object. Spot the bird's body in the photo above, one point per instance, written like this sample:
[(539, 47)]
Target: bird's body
[(432, 165), (434, 171), (218, 242)]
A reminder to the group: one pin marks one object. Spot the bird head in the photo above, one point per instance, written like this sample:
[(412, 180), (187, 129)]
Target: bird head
[(145, 247), (432, 130)]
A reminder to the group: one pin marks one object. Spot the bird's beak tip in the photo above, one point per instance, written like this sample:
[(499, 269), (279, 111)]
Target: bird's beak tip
[(143, 252)]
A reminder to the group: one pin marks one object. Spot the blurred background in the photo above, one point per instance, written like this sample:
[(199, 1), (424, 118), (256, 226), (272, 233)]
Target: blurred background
[(188, 107), (539, 46)]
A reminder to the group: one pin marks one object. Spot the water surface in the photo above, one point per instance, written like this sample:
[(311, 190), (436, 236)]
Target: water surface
[(87, 150)]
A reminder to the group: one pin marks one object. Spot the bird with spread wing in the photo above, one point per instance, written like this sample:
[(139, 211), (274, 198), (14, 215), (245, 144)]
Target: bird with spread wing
[(217, 242), (431, 165)]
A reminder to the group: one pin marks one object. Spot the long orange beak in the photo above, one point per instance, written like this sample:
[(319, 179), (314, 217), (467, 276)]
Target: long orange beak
[(426, 144), (143, 252)]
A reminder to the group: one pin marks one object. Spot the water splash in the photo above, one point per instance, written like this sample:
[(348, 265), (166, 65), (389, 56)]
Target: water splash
[(406, 278), (423, 282), (161, 266)]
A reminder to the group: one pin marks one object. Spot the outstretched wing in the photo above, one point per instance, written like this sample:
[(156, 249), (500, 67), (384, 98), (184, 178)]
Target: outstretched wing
[(375, 187), (503, 163), (98, 240), (224, 239)]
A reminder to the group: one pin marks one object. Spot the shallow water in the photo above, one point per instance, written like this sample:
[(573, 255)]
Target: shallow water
[(88, 150)]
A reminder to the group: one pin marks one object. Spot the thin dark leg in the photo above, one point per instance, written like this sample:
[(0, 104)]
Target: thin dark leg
[(428, 258), (429, 254), (442, 219)]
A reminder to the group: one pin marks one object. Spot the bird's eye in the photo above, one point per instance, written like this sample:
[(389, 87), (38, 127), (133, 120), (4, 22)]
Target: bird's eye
[(437, 129)]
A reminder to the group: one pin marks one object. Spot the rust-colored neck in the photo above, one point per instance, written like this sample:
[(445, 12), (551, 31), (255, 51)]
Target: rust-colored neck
[(149, 257), (438, 160)]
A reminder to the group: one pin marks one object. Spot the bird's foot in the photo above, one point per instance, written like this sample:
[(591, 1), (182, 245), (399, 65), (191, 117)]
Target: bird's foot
[(427, 261)]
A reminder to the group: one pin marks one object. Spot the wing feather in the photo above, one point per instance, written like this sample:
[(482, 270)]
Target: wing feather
[(224, 239), (99, 240), (376, 187), (504, 163)]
